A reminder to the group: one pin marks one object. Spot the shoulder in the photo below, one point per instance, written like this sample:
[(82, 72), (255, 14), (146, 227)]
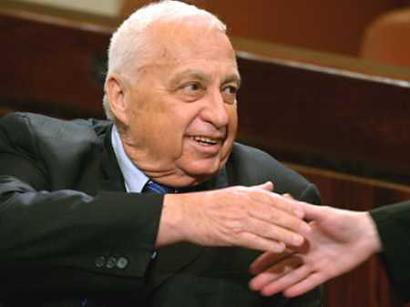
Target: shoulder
[(20, 127), (38, 123), (249, 166), (34, 135)]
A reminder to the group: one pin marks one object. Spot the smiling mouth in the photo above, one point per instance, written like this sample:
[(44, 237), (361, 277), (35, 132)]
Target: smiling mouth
[(207, 141)]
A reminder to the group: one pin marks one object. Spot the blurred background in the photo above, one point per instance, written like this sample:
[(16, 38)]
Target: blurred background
[(333, 26), (326, 90), (364, 36)]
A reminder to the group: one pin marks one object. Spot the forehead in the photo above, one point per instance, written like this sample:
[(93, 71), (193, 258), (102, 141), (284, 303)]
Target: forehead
[(187, 42)]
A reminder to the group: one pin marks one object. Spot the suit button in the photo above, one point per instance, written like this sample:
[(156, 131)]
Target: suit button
[(111, 262), (122, 263), (100, 261)]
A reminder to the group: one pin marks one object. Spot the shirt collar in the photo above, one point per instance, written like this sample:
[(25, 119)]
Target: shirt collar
[(134, 178)]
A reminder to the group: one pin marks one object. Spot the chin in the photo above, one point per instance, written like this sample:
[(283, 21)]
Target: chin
[(203, 169)]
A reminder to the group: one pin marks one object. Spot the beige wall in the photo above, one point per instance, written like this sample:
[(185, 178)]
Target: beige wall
[(100, 7)]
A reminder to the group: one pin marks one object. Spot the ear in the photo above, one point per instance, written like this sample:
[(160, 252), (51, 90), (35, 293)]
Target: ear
[(116, 92)]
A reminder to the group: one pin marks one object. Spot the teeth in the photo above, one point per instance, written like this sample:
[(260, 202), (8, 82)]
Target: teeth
[(205, 140)]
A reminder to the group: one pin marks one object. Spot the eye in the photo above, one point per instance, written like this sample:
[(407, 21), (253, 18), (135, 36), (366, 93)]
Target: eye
[(192, 87), (191, 91), (230, 89), (229, 93)]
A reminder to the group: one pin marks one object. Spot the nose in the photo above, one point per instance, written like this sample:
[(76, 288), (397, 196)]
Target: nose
[(215, 110)]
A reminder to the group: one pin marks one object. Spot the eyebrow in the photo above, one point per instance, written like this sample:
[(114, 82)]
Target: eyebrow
[(190, 73), (196, 74), (234, 78)]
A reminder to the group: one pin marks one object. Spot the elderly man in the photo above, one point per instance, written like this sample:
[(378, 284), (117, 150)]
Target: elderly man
[(161, 208)]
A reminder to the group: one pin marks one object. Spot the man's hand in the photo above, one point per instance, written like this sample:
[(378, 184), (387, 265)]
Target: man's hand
[(339, 241), (250, 217)]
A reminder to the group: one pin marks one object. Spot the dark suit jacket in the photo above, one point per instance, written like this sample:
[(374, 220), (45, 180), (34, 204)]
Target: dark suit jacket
[(393, 225), (69, 234)]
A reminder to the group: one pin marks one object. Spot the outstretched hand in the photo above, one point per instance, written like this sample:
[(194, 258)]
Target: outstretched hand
[(339, 240), (250, 217)]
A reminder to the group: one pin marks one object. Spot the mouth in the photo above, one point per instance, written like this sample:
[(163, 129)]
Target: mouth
[(206, 141)]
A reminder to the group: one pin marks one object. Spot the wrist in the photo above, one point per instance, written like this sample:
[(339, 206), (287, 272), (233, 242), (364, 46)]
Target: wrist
[(171, 224), (371, 234)]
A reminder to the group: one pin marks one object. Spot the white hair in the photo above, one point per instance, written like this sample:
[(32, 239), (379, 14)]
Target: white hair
[(128, 45)]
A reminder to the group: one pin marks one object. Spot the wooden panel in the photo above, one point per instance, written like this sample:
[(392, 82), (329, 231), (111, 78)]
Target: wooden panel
[(328, 119), (52, 78), (294, 56), (53, 68)]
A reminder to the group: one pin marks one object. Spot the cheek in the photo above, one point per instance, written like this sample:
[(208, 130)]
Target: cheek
[(170, 141), (233, 123), (168, 132), (232, 129)]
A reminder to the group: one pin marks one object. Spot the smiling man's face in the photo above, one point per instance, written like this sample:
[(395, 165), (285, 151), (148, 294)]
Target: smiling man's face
[(181, 116)]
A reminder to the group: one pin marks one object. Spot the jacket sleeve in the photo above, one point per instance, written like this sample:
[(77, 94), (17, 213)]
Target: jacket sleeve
[(393, 225), (67, 240), (310, 195)]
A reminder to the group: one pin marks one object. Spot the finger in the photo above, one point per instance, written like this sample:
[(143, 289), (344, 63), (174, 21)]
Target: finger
[(287, 225), (263, 279), (252, 241), (305, 285), (287, 203), (265, 260), (273, 232), (267, 186), (287, 280), (275, 273), (288, 196), (278, 202)]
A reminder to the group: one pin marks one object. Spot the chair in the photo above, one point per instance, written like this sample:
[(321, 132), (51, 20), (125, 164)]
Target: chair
[(387, 39)]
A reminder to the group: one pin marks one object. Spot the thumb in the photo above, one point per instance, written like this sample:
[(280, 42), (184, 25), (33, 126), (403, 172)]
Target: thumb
[(313, 212)]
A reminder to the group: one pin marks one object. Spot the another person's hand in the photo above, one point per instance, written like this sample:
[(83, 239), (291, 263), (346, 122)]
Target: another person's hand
[(250, 217), (339, 241)]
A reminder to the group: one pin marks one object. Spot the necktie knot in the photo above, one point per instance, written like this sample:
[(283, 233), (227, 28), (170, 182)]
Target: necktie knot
[(154, 187)]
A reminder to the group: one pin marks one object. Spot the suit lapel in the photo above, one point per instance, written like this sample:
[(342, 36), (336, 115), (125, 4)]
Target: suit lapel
[(180, 257)]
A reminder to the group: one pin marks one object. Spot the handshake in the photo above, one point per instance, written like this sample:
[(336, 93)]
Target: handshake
[(299, 241)]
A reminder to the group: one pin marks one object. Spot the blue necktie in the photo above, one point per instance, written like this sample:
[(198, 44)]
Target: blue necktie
[(154, 187)]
